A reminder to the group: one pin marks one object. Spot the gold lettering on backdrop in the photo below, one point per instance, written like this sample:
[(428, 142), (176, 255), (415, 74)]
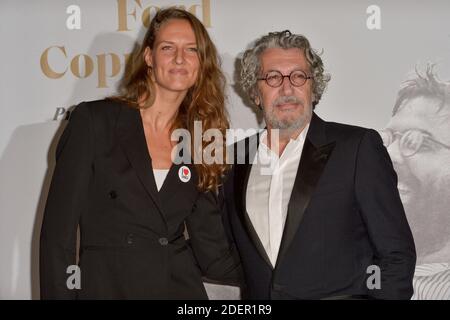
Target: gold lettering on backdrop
[(115, 68), (45, 66), (88, 66), (123, 13), (147, 13), (108, 65), (206, 11), (206, 5)]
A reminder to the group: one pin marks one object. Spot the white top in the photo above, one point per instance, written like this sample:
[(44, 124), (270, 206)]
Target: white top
[(269, 189), (160, 176)]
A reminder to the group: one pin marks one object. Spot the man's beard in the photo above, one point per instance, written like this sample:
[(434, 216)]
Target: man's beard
[(288, 124)]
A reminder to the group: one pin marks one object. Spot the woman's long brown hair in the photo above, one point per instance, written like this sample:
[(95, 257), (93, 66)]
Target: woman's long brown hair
[(204, 102)]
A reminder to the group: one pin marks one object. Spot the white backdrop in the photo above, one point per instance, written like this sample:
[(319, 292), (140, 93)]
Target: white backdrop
[(46, 67)]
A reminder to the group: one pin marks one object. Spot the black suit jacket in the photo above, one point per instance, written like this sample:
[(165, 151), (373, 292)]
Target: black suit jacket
[(132, 243), (344, 215)]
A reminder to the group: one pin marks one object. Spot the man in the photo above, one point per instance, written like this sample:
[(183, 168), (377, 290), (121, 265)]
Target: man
[(321, 219), (418, 141)]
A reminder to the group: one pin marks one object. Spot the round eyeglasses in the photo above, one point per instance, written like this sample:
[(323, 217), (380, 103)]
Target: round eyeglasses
[(411, 141), (275, 78)]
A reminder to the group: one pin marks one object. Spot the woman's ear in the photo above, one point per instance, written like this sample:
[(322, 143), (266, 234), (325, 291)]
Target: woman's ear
[(148, 57)]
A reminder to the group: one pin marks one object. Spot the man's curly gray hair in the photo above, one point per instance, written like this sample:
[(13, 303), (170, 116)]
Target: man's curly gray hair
[(251, 64)]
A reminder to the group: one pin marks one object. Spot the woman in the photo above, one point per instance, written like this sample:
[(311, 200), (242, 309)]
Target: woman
[(116, 180)]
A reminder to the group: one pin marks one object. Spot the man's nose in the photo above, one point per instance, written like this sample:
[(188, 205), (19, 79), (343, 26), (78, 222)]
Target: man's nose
[(286, 86)]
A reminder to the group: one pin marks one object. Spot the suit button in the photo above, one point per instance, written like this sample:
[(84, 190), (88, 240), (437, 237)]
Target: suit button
[(163, 241), (112, 194), (130, 239)]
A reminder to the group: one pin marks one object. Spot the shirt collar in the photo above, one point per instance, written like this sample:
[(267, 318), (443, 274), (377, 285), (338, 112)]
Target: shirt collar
[(298, 141)]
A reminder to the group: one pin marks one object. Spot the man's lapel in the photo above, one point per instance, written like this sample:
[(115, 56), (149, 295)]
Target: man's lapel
[(316, 152), (242, 168)]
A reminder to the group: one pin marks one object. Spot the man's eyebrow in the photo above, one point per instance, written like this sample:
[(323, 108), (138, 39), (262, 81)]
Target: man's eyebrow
[(296, 69)]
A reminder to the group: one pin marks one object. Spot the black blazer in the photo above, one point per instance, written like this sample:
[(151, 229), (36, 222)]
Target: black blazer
[(344, 215), (132, 243)]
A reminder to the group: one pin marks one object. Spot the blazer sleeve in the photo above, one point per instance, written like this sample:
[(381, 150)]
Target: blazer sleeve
[(67, 198), (382, 211), (216, 255)]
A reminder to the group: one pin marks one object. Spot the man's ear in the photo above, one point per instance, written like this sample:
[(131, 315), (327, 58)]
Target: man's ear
[(257, 101), (148, 56)]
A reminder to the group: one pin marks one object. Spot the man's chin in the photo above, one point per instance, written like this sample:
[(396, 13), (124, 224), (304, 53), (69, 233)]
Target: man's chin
[(289, 126), (290, 123)]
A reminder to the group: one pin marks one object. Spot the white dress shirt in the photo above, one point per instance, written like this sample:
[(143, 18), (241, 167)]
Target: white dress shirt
[(160, 176), (269, 189)]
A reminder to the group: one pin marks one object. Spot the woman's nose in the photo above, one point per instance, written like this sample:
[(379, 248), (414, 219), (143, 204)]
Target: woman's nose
[(179, 56)]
